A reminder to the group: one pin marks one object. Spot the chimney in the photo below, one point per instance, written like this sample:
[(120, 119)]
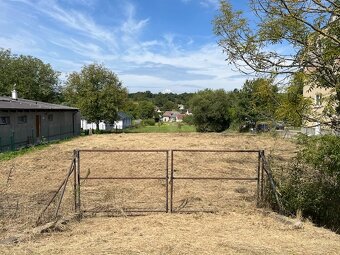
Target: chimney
[(14, 94)]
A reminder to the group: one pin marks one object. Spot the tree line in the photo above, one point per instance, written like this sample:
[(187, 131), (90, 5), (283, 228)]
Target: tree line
[(99, 94)]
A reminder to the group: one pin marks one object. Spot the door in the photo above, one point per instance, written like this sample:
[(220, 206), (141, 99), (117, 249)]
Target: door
[(37, 126)]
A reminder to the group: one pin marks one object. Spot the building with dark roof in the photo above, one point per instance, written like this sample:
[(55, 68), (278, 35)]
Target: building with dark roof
[(26, 122)]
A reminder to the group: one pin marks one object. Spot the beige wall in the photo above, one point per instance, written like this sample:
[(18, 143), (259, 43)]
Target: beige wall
[(317, 107)]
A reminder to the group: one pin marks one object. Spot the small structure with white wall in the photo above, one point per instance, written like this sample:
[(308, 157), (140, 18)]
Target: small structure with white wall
[(124, 121)]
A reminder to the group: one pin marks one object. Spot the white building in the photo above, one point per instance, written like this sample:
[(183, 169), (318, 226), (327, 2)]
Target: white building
[(123, 122)]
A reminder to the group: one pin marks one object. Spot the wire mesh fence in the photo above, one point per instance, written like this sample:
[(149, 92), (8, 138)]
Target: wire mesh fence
[(123, 181), (211, 180)]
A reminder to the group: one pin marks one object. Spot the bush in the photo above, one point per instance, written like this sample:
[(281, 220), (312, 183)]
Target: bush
[(211, 110), (188, 119), (312, 181), (149, 122)]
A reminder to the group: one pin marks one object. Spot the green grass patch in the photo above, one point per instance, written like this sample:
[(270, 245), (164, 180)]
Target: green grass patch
[(163, 128), (13, 154), (8, 155)]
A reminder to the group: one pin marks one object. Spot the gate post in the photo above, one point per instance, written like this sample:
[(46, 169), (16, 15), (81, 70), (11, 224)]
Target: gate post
[(258, 179), (78, 183), (167, 182), (76, 186), (262, 175), (75, 180), (172, 180)]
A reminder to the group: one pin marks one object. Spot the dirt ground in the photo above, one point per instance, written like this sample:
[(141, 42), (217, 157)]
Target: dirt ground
[(28, 182)]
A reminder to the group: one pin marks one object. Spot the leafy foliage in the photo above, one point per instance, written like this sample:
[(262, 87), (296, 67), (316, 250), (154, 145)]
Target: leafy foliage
[(32, 78), (211, 111), (258, 100), (189, 119), (97, 92), (149, 122), (312, 180), (145, 110), (165, 101), (310, 29), (293, 105)]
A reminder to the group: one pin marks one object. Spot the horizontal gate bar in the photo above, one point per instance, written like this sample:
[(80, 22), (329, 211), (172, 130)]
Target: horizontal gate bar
[(111, 150), (123, 178), (216, 178), (194, 211), (125, 210), (198, 150)]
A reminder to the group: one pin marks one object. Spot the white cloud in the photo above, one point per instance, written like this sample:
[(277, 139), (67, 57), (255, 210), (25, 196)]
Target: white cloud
[(121, 49), (20, 43), (73, 19), (131, 25), (210, 3)]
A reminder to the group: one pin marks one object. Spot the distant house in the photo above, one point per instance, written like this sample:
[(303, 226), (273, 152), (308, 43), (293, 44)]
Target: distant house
[(188, 112), (179, 117), (170, 116), (180, 107), (25, 122), (124, 121)]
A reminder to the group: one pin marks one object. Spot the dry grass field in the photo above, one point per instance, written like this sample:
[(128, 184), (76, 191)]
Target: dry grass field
[(27, 183)]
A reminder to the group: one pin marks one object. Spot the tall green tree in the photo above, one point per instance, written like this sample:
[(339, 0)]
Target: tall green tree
[(211, 110), (131, 108), (293, 105), (31, 77), (283, 37), (97, 92), (146, 109), (258, 100)]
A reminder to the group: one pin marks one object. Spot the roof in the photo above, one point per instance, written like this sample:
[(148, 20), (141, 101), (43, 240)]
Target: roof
[(123, 115), (8, 103), (180, 116), (170, 114)]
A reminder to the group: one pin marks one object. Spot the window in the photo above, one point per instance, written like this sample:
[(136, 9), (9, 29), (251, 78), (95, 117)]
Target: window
[(50, 117), (318, 99), (22, 119), (4, 120)]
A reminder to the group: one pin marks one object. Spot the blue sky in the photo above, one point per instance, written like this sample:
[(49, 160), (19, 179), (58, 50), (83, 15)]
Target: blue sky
[(156, 45)]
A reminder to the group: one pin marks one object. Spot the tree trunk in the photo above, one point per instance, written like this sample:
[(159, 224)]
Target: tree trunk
[(97, 126)]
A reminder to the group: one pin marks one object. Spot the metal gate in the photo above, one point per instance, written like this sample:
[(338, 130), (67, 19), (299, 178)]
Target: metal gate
[(227, 175), (165, 186), (174, 180), (81, 176)]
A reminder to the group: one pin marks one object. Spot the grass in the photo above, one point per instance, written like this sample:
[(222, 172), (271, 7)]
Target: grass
[(8, 155), (163, 128), (231, 231)]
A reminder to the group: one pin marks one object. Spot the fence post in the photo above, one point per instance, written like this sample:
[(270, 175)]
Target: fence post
[(167, 182), (172, 180), (262, 175), (258, 180), (78, 183), (75, 180), (272, 183)]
